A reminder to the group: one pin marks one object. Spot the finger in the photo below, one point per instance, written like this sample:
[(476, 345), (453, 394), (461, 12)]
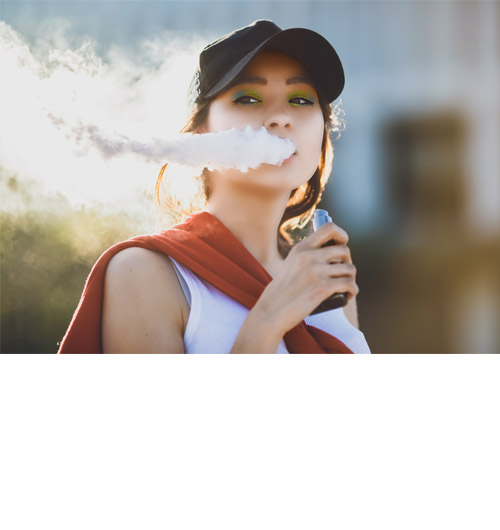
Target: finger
[(338, 270), (326, 233), (344, 284), (334, 254), (342, 270)]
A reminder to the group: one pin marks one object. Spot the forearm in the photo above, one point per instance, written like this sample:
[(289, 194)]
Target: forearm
[(351, 312), (258, 334)]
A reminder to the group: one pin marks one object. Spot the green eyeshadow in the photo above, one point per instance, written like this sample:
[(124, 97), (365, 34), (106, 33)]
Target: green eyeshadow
[(301, 94), (250, 93)]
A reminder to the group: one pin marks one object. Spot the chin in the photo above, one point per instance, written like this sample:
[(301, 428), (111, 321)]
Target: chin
[(277, 177)]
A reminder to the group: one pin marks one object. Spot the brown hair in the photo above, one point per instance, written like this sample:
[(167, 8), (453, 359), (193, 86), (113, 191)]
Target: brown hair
[(303, 199)]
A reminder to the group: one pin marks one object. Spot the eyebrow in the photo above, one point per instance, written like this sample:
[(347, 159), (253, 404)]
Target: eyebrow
[(263, 81)]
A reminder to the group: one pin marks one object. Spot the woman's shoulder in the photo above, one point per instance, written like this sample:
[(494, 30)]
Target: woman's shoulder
[(140, 270), (142, 295), (137, 260)]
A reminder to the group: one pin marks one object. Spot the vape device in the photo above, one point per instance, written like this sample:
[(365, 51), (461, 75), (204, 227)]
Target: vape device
[(337, 299)]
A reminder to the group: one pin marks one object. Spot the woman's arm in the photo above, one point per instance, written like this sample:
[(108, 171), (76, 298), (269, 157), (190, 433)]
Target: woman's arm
[(144, 308), (310, 273), (258, 334), (351, 312)]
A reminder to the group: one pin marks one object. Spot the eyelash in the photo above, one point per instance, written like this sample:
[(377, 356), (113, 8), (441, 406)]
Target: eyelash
[(307, 101)]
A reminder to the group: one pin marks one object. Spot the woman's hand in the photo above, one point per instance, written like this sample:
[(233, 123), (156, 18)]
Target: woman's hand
[(309, 275)]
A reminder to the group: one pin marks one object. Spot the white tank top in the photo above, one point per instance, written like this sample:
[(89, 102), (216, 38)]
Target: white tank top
[(215, 319)]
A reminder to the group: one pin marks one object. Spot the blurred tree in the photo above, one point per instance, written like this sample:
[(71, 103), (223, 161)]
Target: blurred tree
[(46, 257)]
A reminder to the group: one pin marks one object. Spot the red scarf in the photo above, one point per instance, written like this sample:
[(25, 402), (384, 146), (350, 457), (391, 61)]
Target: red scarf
[(204, 245)]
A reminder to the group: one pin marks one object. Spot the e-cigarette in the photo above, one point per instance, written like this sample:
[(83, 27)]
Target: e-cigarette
[(337, 299)]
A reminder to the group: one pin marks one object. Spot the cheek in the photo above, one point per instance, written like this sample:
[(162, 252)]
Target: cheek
[(319, 129), (221, 117), (214, 118), (313, 139)]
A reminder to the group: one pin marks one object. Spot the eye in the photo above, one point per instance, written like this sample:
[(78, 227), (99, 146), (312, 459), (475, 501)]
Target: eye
[(301, 101), (246, 100), (246, 97)]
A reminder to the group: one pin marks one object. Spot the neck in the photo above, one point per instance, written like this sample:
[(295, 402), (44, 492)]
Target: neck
[(254, 221)]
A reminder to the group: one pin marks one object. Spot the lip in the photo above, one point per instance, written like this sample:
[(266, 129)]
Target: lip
[(290, 157)]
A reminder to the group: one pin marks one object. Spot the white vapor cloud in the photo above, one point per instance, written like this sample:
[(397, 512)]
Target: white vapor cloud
[(140, 97), (228, 149)]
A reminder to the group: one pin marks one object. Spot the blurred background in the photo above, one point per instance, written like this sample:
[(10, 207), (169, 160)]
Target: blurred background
[(415, 180)]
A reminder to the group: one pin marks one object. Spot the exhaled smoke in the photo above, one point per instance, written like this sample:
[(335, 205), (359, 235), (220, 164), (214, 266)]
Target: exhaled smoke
[(229, 149)]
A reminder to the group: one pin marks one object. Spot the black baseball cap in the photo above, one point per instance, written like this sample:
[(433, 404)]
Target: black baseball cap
[(223, 60)]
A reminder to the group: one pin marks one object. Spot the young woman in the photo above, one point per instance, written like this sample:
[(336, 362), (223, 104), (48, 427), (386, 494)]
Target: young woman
[(228, 280)]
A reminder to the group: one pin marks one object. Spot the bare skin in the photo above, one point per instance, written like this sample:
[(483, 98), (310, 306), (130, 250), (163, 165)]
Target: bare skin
[(140, 317)]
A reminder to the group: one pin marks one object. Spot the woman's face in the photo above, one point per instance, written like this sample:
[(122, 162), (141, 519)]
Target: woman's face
[(286, 103)]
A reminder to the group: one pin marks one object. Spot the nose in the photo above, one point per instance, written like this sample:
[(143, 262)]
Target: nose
[(278, 118)]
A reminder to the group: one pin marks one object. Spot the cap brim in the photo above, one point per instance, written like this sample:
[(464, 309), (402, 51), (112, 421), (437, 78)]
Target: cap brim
[(312, 50)]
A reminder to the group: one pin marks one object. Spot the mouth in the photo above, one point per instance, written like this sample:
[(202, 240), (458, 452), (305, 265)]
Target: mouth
[(290, 157)]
